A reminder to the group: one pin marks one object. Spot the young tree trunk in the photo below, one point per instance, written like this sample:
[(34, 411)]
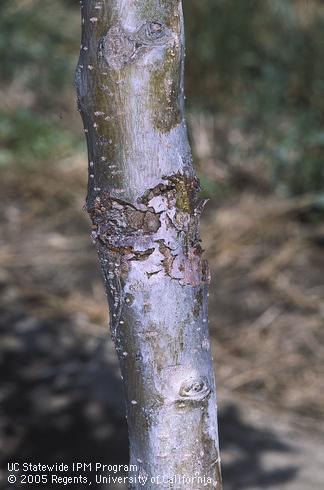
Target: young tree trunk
[(142, 199)]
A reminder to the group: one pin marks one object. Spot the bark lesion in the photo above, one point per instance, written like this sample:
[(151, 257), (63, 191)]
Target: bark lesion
[(119, 224), (162, 226)]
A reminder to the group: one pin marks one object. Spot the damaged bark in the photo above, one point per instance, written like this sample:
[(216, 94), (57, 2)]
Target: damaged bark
[(142, 200)]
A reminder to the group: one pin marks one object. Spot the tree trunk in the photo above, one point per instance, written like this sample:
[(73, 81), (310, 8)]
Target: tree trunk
[(142, 199)]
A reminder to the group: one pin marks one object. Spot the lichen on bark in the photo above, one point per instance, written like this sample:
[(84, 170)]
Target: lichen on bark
[(164, 83)]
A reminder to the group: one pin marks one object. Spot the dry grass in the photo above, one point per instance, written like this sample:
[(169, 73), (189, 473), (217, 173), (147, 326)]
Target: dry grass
[(267, 295), (267, 305)]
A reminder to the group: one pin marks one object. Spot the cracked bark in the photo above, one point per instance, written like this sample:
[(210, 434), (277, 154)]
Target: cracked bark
[(142, 199)]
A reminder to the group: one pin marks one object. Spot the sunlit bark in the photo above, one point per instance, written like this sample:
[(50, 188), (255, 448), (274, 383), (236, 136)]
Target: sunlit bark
[(142, 199)]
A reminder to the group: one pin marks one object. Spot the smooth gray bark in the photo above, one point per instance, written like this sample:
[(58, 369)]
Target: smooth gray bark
[(142, 199)]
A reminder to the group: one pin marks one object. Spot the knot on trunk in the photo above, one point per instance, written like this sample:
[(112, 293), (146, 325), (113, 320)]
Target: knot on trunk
[(120, 47), (193, 390)]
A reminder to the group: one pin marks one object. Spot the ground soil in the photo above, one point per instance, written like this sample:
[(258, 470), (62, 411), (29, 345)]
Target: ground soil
[(60, 389)]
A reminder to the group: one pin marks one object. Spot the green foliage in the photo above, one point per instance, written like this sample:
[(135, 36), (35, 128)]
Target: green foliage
[(28, 138), (38, 44), (210, 188), (262, 62), (255, 49)]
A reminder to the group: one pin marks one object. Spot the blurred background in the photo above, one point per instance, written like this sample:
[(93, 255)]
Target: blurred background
[(255, 107)]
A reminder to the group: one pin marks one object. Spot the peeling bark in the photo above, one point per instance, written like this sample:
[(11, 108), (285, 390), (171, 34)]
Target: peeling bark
[(142, 200)]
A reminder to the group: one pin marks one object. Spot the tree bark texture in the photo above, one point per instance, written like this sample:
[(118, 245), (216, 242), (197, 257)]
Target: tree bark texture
[(142, 199)]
